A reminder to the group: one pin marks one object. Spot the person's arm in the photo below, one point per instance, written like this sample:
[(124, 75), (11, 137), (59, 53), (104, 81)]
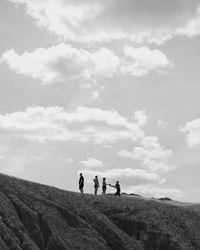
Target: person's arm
[(111, 185)]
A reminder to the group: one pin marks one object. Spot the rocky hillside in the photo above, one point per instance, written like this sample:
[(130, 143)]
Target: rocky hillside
[(34, 216)]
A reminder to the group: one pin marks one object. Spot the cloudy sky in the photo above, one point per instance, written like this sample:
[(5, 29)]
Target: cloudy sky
[(109, 88)]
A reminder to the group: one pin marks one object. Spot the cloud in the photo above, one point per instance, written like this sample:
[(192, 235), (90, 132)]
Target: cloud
[(96, 21), (192, 28), (83, 125), (70, 160), (153, 191), (162, 124), (192, 130), (141, 117), (92, 163), (144, 60), (62, 63), (151, 154), (125, 174), (95, 94), (65, 63)]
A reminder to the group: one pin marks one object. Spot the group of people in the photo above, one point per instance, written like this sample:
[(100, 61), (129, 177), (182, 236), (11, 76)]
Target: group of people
[(96, 185)]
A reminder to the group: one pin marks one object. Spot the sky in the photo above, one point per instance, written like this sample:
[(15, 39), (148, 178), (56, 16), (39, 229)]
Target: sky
[(108, 88)]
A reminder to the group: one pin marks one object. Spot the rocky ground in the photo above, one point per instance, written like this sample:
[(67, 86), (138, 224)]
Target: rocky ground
[(34, 216)]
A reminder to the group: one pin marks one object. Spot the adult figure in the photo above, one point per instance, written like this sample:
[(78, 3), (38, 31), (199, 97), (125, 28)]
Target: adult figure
[(117, 186), (96, 185), (104, 186), (81, 183)]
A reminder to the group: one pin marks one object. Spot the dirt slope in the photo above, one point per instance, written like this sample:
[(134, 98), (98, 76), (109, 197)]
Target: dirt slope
[(34, 216)]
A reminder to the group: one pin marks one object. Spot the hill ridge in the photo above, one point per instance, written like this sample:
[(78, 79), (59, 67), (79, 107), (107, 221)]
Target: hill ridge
[(36, 216)]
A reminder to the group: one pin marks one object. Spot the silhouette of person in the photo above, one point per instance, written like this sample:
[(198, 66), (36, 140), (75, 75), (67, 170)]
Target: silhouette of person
[(81, 183), (104, 186), (117, 186), (96, 185)]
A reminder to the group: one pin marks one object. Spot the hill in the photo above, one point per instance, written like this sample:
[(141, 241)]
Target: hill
[(35, 216)]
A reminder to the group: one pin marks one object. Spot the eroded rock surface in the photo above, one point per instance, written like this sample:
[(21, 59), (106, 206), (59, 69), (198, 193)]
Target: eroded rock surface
[(34, 216)]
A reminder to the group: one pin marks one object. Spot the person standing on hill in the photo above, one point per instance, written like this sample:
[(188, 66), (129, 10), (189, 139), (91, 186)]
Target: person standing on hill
[(81, 183), (104, 186), (96, 185), (117, 186)]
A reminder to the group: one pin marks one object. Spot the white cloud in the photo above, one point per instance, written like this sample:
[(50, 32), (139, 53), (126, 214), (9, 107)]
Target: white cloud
[(192, 130), (155, 192), (70, 160), (192, 28), (143, 60), (92, 163), (65, 63), (106, 62), (162, 124), (125, 174), (151, 154), (141, 117), (93, 20), (83, 125), (95, 95)]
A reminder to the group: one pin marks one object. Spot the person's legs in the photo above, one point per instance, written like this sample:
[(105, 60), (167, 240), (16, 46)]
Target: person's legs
[(104, 190), (81, 189), (117, 193), (95, 190)]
